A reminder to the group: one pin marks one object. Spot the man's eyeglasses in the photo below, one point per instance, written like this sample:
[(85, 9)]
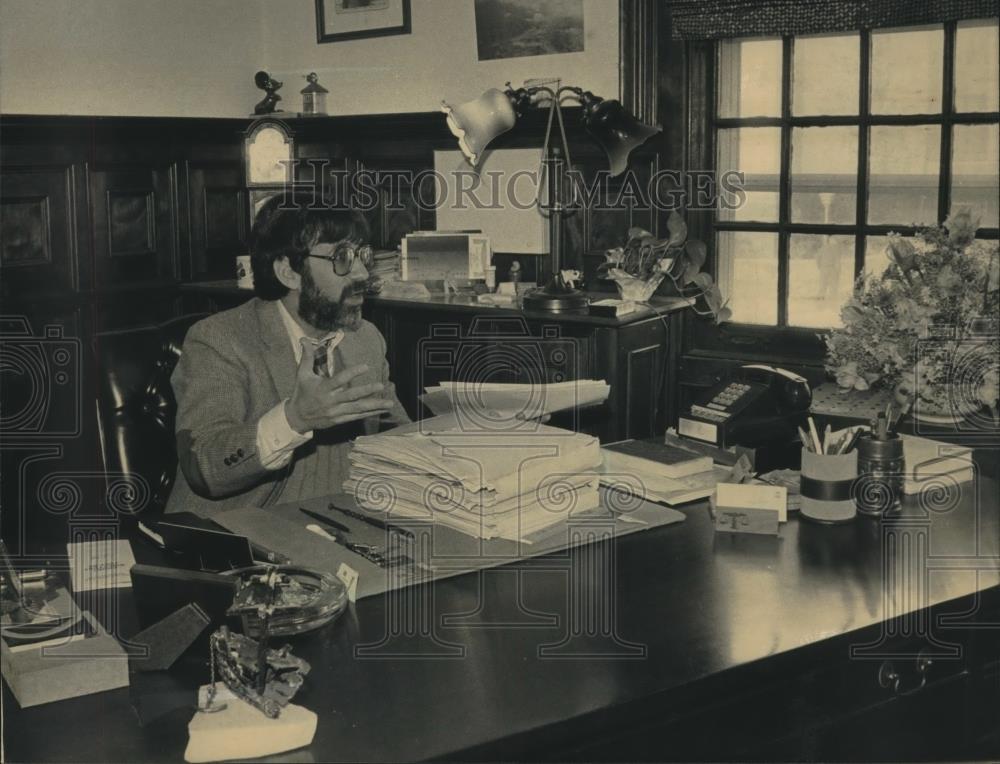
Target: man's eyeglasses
[(343, 257)]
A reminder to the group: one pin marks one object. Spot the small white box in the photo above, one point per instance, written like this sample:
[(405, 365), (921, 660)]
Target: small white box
[(751, 496), (440, 255)]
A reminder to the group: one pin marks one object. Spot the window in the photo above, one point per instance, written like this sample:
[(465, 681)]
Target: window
[(843, 138)]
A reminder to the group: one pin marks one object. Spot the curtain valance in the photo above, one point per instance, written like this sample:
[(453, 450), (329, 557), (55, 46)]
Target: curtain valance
[(716, 19)]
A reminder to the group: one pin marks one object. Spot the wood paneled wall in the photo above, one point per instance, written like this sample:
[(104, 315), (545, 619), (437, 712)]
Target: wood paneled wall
[(106, 206)]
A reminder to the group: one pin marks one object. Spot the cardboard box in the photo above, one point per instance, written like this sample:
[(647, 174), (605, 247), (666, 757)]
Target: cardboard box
[(57, 672)]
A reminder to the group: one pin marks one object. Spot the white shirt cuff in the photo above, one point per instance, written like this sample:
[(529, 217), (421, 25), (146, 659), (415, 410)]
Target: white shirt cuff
[(276, 440)]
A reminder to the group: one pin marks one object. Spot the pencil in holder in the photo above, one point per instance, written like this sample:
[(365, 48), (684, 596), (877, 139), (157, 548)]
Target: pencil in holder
[(826, 486)]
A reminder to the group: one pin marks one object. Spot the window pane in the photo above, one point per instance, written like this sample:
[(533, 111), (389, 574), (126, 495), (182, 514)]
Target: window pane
[(825, 75), (748, 275), (756, 152), (977, 66), (824, 174), (750, 78), (904, 164), (975, 172), (907, 70), (820, 278)]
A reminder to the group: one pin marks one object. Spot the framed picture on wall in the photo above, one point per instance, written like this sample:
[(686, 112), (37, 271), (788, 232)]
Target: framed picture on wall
[(338, 20)]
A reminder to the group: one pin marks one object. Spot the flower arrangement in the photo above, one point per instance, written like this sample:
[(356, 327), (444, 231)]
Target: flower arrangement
[(927, 327), (640, 266)]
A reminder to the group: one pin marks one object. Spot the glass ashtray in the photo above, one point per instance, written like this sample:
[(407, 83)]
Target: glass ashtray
[(304, 599)]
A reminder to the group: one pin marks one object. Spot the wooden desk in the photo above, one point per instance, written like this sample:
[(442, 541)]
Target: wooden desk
[(718, 647), (635, 354)]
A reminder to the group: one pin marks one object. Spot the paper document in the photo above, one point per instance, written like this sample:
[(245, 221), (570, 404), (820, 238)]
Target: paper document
[(521, 401), (101, 564), (666, 490)]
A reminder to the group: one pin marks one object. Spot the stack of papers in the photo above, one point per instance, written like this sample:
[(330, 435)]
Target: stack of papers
[(497, 400), (661, 472), (665, 490), (927, 459), (507, 484)]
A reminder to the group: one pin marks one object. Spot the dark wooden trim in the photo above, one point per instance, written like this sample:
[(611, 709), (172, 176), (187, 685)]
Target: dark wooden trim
[(864, 134), (817, 120), (638, 51), (785, 182), (948, 111)]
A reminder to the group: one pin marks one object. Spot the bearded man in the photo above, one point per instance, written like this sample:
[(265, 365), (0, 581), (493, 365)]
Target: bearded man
[(271, 393)]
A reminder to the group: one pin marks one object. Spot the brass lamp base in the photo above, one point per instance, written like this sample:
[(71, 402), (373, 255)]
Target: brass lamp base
[(556, 298)]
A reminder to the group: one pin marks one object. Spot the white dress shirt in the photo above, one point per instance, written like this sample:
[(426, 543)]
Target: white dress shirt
[(276, 440)]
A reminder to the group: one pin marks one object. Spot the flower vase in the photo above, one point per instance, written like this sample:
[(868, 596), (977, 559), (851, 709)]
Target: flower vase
[(632, 289)]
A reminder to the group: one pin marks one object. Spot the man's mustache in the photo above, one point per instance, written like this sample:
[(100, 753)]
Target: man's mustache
[(358, 288)]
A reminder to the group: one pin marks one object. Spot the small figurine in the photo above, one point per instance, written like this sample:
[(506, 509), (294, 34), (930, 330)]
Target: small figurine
[(313, 97), (271, 87)]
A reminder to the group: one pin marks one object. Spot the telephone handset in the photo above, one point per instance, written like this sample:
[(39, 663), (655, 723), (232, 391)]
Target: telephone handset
[(760, 405), (792, 392)]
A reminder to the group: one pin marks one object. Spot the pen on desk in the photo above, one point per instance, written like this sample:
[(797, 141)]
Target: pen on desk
[(323, 519), (827, 435), (370, 552), (313, 528), (374, 521)]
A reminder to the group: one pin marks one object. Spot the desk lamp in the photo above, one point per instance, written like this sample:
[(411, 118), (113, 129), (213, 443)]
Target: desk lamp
[(478, 122)]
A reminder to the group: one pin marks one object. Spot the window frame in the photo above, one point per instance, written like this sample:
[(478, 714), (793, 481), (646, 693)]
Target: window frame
[(702, 77)]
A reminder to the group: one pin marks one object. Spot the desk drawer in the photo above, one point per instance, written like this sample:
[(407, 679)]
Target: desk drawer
[(827, 706)]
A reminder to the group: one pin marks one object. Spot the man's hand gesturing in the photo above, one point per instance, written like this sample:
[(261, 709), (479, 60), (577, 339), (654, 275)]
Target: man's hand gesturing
[(320, 402)]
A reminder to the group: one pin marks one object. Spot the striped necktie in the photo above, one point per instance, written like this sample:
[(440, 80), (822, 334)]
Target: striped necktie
[(323, 363)]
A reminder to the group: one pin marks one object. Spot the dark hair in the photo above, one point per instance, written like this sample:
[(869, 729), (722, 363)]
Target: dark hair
[(289, 225)]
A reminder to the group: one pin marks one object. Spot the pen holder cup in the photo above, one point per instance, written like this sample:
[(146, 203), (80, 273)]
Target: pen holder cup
[(880, 469), (826, 486)]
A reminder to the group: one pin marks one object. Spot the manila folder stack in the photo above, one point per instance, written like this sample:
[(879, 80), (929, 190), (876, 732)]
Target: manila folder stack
[(507, 484)]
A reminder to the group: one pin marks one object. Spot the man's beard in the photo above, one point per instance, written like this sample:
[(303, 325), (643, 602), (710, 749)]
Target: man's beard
[(319, 311)]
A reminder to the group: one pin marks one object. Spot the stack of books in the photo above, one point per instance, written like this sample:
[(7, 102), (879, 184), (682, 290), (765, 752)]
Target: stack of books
[(662, 472), (506, 484)]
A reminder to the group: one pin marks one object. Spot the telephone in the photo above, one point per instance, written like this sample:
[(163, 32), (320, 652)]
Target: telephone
[(759, 406)]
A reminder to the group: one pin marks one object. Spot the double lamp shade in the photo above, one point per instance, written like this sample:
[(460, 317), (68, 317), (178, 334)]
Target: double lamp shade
[(478, 122)]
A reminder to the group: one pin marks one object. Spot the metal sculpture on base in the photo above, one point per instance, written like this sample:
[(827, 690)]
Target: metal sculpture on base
[(265, 678)]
